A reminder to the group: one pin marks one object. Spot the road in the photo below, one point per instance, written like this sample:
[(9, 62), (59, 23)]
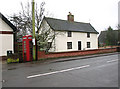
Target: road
[(90, 72)]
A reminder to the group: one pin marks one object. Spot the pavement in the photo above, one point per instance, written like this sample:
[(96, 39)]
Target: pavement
[(83, 57), (67, 58), (19, 65)]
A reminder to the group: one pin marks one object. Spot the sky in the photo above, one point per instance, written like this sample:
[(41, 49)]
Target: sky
[(100, 13)]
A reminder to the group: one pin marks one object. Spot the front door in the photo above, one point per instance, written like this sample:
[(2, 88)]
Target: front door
[(79, 45)]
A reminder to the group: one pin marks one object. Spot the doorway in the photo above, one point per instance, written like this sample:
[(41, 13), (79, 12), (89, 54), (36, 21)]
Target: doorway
[(79, 45)]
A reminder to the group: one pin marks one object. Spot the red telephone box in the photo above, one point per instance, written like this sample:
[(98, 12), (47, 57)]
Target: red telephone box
[(27, 48)]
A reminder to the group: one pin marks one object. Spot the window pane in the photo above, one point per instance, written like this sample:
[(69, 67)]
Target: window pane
[(88, 34), (69, 34), (69, 45), (88, 44), (49, 44)]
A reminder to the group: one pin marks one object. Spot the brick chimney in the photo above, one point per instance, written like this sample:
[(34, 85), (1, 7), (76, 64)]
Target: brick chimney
[(70, 17)]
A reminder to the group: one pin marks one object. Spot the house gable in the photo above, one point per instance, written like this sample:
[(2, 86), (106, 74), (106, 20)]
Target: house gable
[(7, 35), (45, 25), (5, 24), (4, 27)]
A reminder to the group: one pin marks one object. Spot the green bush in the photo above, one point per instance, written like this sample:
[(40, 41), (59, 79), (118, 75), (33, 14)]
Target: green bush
[(10, 60), (13, 58)]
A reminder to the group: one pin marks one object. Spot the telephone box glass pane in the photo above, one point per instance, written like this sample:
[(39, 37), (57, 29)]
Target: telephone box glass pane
[(29, 37), (24, 38)]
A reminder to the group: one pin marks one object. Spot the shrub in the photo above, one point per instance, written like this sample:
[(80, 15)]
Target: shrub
[(10, 60), (13, 58)]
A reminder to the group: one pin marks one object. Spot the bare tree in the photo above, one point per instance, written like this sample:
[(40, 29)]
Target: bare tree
[(23, 20)]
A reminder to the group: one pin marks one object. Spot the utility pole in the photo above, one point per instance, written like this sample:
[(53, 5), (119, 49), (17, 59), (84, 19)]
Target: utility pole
[(33, 27)]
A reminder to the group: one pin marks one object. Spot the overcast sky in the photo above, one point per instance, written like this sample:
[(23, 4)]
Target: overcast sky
[(100, 13)]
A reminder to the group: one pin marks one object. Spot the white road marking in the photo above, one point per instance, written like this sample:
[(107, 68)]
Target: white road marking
[(112, 60), (66, 70)]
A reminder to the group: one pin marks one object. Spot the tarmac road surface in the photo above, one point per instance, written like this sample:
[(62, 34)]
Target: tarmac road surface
[(101, 71)]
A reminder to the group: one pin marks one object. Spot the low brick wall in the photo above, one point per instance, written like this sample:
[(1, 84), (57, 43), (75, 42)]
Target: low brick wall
[(42, 54), (3, 57)]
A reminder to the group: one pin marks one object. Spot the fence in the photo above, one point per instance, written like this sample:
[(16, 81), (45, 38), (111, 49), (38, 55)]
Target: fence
[(18, 49)]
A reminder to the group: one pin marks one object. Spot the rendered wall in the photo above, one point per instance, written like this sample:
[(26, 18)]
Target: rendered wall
[(62, 39), (6, 40)]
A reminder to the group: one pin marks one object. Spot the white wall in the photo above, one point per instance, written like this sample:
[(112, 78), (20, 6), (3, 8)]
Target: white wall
[(7, 43), (4, 26), (0, 44), (61, 41), (119, 12), (6, 40)]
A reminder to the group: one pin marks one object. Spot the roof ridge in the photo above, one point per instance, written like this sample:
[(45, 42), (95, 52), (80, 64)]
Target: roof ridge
[(66, 20), (63, 25), (107, 30)]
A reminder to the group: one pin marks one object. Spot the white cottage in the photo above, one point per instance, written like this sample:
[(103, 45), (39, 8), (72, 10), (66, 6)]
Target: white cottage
[(7, 37), (74, 35)]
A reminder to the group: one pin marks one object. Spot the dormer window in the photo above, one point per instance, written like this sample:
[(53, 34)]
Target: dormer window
[(88, 35), (69, 33)]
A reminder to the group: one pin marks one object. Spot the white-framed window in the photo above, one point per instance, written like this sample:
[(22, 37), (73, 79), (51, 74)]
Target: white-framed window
[(69, 34), (88, 35), (88, 44), (69, 45)]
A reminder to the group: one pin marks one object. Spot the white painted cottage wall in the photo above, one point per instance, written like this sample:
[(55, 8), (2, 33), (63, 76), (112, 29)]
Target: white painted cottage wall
[(6, 40), (4, 26), (60, 42), (7, 43)]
